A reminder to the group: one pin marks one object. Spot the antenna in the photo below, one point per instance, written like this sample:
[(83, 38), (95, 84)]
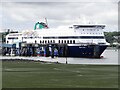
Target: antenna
[(46, 21)]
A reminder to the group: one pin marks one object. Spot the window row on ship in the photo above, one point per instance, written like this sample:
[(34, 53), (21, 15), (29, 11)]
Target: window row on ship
[(53, 41), (67, 37), (63, 37), (90, 33), (90, 30)]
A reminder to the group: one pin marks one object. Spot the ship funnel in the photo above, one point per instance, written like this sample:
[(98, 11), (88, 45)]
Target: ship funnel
[(40, 25)]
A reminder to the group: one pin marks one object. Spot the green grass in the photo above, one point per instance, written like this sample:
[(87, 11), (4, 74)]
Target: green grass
[(29, 74)]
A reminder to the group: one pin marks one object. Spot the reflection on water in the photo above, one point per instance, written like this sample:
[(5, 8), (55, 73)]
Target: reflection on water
[(110, 56)]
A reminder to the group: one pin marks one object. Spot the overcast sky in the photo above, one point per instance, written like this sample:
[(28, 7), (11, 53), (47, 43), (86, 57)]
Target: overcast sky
[(24, 15)]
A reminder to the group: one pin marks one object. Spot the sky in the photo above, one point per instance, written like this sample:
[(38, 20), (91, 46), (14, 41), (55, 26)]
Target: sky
[(20, 15)]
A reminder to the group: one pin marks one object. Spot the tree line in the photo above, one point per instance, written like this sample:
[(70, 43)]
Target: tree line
[(112, 37)]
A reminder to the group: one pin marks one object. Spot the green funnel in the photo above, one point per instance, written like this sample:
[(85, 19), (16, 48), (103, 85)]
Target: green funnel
[(38, 24)]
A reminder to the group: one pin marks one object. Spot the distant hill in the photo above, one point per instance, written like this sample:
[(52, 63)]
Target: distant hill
[(0, 35)]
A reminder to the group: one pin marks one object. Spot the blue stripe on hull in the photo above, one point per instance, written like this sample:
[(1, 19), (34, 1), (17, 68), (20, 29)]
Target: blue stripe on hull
[(86, 51)]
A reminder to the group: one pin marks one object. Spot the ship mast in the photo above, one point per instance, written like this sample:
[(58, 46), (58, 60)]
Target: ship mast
[(46, 21)]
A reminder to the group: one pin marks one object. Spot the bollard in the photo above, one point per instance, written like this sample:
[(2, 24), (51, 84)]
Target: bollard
[(52, 52), (44, 53)]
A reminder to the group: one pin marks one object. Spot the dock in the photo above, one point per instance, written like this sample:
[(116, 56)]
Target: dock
[(34, 49)]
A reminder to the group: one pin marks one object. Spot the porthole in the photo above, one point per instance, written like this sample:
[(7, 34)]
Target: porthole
[(45, 41), (53, 41), (64, 41), (48, 41), (67, 41), (40, 41), (74, 41), (35, 41), (59, 41)]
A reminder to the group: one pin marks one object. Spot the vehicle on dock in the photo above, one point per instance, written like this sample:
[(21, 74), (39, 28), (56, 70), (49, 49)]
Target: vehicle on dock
[(81, 40)]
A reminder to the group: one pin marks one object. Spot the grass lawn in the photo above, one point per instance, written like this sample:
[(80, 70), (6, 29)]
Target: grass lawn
[(30, 74)]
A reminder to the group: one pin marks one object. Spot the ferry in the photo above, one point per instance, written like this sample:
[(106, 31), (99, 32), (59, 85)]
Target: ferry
[(83, 40)]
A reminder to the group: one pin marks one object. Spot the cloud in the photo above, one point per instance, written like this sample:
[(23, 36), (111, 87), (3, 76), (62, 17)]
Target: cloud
[(60, 1), (24, 15)]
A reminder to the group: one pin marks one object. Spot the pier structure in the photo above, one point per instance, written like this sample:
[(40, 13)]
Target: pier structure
[(47, 50), (35, 49)]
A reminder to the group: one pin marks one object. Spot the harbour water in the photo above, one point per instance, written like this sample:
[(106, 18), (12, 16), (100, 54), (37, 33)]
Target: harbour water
[(110, 57)]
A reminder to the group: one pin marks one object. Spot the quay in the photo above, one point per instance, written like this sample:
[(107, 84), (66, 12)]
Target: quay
[(110, 58), (30, 49), (45, 50)]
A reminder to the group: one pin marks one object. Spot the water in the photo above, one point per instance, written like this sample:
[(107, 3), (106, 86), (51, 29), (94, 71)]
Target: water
[(110, 57)]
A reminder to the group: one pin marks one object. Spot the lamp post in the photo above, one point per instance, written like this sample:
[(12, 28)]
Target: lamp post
[(66, 53), (66, 61)]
